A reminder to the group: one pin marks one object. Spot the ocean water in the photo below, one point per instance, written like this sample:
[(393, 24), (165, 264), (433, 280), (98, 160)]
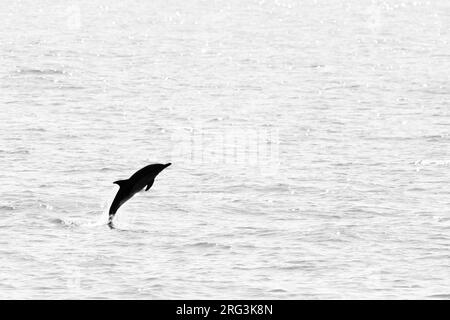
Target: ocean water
[(309, 142)]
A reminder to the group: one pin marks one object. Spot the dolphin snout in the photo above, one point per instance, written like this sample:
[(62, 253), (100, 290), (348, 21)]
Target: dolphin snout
[(167, 164)]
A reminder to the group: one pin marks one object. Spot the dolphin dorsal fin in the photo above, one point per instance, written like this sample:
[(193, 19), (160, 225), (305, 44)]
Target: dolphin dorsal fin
[(121, 183)]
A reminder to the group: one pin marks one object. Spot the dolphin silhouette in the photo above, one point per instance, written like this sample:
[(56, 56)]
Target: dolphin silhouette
[(137, 182)]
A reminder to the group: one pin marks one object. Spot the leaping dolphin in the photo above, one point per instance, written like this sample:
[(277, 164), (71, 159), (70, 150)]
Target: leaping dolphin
[(128, 188)]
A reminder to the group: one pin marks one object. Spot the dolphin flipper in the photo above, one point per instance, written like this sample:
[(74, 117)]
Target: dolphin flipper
[(149, 185)]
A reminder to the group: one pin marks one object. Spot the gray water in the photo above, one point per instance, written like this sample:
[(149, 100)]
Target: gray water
[(309, 141)]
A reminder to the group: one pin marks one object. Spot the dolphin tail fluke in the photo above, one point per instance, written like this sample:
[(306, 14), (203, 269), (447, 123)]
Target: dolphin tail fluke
[(112, 213), (110, 219), (110, 224)]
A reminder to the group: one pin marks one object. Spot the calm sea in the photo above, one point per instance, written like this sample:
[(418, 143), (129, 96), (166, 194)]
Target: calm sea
[(309, 142)]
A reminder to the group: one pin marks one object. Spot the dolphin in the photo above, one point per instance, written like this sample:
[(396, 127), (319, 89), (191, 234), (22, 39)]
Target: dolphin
[(129, 187)]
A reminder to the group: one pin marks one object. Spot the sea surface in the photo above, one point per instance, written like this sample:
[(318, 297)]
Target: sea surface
[(309, 141)]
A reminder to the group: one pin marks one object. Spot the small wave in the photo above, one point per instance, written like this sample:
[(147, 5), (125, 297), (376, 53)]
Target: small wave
[(36, 129), (277, 291), (70, 223), (71, 88), (7, 208), (64, 222), (40, 71), (20, 151), (267, 233), (432, 138), (296, 267), (46, 206), (217, 119), (440, 296), (316, 66), (203, 244), (208, 245)]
